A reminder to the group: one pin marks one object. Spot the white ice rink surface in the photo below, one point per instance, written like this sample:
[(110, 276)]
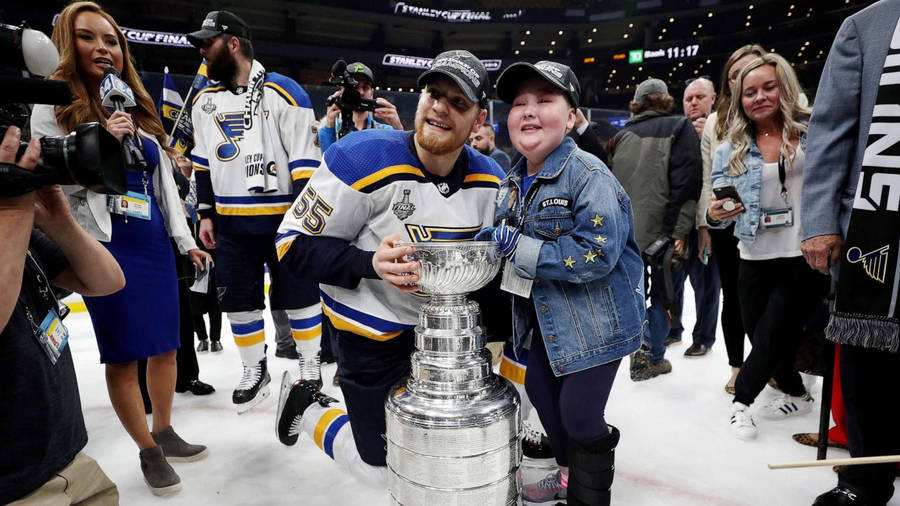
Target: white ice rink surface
[(676, 448)]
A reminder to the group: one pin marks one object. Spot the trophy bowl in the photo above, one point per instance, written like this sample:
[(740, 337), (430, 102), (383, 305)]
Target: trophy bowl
[(457, 267)]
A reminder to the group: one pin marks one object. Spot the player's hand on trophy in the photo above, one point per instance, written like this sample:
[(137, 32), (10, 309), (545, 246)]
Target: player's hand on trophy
[(390, 265)]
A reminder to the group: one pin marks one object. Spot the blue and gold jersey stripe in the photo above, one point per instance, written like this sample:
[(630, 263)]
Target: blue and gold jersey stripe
[(281, 92), (388, 175), (350, 320), (211, 89)]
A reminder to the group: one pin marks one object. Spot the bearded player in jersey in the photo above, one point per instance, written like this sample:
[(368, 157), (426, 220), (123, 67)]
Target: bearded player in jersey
[(254, 151), (375, 189)]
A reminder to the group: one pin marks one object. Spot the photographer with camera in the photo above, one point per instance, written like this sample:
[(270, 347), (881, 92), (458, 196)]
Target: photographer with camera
[(141, 321), (358, 83), (656, 157), (42, 428)]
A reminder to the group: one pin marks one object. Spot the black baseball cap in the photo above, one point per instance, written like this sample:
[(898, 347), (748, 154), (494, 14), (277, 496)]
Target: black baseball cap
[(557, 74), (361, 68), (465, 69), (217, 23)]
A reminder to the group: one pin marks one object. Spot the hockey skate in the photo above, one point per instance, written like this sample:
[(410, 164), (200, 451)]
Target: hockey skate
[(293, 399), (253, 388), (311, 370), (536, 445)]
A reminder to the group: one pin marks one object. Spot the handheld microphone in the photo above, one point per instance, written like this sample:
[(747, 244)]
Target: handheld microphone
[(115, 93)]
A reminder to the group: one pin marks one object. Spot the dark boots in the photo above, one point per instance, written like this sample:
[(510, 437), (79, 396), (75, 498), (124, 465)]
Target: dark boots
[(591, 469)]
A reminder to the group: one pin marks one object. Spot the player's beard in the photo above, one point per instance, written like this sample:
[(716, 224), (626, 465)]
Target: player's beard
[(430, 142), (222, 68), (484, 151)]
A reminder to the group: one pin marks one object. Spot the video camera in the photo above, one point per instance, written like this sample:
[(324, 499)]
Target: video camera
[(349, 100), (90, 156)]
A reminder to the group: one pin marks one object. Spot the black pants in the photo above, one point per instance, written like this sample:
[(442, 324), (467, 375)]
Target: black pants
[(870, 384), (186, 357), (724, 248), (369, 369), (571, 407), (778, 297)]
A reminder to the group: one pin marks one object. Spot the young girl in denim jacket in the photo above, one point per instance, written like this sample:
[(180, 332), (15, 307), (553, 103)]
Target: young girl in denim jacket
[(566, 227)]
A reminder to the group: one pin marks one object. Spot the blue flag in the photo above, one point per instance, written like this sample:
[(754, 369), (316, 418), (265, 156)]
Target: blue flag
[(182, 131), (170, 102)]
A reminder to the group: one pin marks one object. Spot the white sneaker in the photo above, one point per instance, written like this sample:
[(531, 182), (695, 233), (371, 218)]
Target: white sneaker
[(786, 405), (742, 425)]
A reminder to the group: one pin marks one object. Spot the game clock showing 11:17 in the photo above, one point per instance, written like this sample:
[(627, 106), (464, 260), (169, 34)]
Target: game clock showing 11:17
[(682, 52)]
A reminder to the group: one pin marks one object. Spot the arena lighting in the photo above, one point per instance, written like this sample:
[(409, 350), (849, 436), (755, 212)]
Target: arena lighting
[(619, 56), (591, 59)]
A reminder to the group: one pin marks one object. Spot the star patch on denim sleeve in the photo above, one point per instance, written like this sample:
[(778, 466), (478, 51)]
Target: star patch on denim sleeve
[(589, 257), (570, 262), (600, 239), (597, 220)]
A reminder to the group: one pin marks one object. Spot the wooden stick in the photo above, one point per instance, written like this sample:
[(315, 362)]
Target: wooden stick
[(884, 459)]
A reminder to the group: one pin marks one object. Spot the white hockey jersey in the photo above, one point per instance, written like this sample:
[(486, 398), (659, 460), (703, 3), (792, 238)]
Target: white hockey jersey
[(370, 185), (226, 152)]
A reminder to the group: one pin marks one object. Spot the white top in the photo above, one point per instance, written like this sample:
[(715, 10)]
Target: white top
[(779, 242)]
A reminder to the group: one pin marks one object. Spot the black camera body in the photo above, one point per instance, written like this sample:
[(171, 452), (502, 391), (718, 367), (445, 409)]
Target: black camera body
[(662, 251), (90, 156), (350, 99)]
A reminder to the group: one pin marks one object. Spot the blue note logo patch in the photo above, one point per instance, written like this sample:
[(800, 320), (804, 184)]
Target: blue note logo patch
[(875, 262), (231, 125)]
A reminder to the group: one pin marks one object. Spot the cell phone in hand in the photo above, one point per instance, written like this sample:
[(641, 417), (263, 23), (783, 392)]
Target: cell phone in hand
[(728, 192)]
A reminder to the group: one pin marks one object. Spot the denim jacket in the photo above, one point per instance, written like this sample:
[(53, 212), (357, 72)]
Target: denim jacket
[(578, 246), (748, 186)]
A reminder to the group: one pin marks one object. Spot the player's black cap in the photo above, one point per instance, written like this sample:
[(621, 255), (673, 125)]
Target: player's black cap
[(557, 74), (217, 23), (465, 69)]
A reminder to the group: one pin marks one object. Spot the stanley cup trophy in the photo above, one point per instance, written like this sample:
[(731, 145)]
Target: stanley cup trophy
[(453, 427)]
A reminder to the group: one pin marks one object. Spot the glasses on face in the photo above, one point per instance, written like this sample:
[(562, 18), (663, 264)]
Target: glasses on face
[(688, 82)]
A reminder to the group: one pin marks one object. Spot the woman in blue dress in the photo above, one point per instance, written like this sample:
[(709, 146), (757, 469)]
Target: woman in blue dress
[(140, 321)]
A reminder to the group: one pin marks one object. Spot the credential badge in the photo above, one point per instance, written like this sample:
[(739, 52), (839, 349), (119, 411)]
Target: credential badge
[(404, 209)]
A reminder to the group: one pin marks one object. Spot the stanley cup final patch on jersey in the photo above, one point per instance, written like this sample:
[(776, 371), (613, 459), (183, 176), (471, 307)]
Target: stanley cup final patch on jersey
[(404, 209), (554, 201)]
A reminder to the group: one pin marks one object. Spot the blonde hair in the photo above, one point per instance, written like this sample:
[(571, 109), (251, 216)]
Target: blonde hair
[(86, 105), (725, 89), (793, 115)]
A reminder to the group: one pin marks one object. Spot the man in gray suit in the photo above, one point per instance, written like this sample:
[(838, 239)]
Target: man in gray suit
[(851, 183)]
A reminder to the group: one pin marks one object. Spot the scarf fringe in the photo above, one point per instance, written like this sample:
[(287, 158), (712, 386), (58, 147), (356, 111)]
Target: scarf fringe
[(866, 331)]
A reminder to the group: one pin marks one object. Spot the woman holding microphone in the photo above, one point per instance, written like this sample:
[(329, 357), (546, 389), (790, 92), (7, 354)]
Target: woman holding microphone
[(141, 321)]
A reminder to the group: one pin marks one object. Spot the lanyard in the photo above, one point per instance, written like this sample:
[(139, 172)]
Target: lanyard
[(45, 291), (528, 200), (782, 177)]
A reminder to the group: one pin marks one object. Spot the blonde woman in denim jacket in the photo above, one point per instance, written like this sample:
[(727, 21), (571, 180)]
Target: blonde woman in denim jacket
[(566, 227), (762, 158)]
